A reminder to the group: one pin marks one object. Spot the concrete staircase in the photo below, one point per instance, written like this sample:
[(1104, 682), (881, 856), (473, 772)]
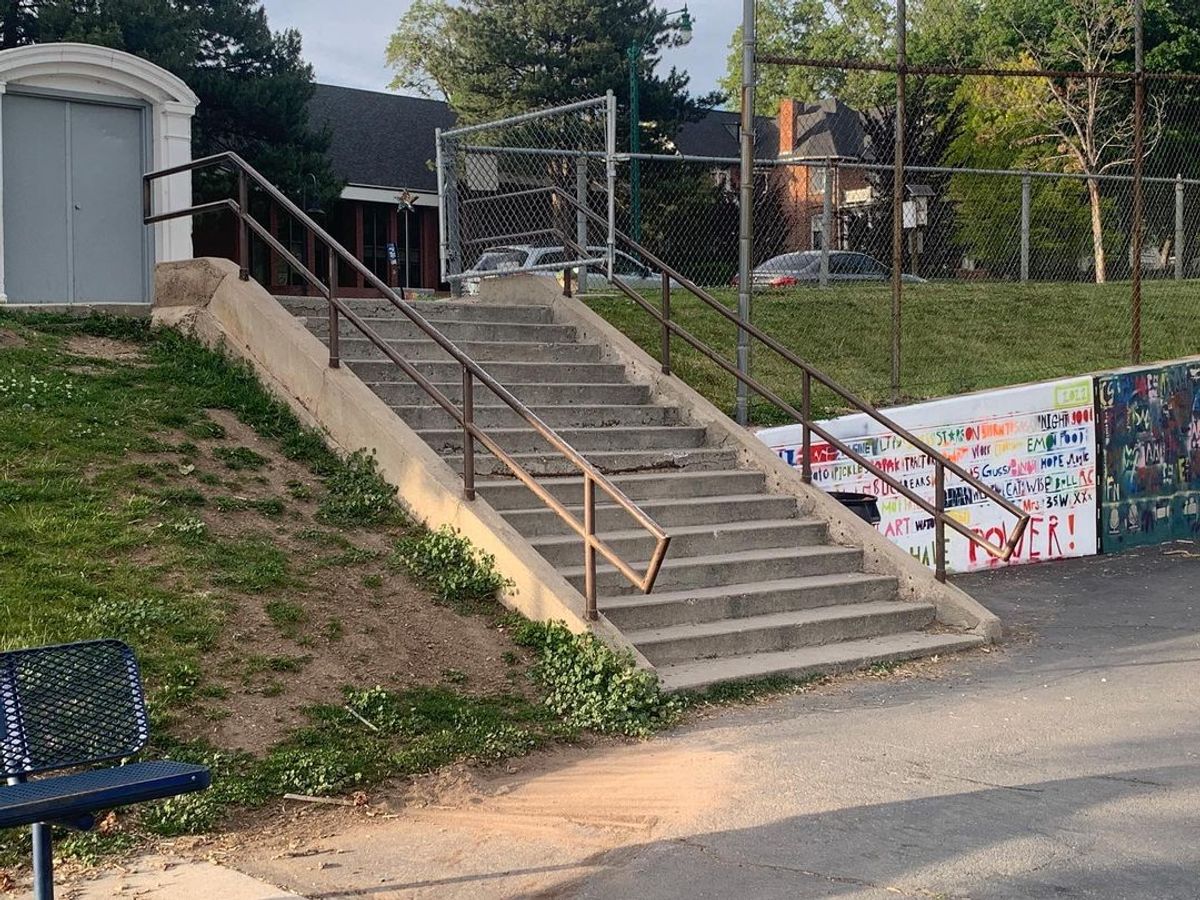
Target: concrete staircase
[(750, 587)]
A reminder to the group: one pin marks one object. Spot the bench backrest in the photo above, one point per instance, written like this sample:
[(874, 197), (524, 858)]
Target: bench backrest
[(69, 705)]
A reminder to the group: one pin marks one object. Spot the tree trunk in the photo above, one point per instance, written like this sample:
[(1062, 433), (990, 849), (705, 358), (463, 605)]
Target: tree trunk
[(1097, 232)]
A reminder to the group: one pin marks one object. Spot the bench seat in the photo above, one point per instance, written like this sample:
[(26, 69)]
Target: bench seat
[(65, 797)]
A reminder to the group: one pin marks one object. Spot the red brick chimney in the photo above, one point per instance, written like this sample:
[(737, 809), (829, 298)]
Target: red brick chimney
[(787, 127)]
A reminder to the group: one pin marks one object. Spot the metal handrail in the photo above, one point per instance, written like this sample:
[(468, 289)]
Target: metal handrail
[(472, 372), (803, 416)]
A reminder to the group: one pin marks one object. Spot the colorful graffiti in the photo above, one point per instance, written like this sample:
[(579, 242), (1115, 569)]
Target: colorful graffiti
[(1150, 455), (1035, 445)]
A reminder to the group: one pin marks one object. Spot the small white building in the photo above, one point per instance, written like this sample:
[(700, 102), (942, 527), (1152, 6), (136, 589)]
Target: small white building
[(79, 126)]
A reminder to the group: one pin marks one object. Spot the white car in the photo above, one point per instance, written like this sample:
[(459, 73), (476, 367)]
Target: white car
[(515, 258)]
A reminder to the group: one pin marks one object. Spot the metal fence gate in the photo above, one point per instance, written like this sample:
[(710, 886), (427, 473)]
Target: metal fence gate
[(502, 186)]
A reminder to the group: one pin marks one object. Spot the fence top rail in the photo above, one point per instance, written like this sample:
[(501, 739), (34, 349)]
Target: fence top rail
[(820, 163), (593, 102), (999, 72)]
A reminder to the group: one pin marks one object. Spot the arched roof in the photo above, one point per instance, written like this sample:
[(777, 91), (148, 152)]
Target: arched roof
[(130, 74)]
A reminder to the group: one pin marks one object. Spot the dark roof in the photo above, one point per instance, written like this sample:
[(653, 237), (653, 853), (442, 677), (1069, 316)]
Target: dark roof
[(379, 138), (717, 134), (828, 128)]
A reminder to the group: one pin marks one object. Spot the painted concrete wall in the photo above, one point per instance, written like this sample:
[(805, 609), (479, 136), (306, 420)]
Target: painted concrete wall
[(1034, 444), (1149, 421)]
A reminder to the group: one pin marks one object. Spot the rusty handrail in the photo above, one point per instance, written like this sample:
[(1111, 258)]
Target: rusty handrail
[(810, 373), (472, 372)]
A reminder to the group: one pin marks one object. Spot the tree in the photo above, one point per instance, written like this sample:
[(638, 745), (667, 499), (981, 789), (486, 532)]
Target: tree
[(837, 29), (491, 58), (254, 85), (1077, 125), (18, 23)]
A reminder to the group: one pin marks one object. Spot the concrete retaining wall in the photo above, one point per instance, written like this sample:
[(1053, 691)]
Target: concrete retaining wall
[(206, 298)]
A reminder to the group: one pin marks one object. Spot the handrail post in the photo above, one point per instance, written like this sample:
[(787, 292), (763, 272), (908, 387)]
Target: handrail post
[(468, 399), (243, 227), (806, 415), (666, 328), (335, 356), (939, 524), (589, 547)]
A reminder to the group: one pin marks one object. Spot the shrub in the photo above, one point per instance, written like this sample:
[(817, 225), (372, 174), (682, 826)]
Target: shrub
[(453, 568), (591, 686), (356, 494)]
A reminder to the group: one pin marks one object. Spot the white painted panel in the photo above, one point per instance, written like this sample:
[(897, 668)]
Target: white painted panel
[(1035, 445)]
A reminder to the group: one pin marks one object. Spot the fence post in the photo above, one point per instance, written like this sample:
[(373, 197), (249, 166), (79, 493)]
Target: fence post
[(746, 217), (1139, 139), (1179, 237), (826, 222), (898, 191), (581, 222), (1026, 204), (454, 260)]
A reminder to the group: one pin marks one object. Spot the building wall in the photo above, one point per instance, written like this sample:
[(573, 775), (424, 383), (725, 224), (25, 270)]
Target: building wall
[(364, 228)]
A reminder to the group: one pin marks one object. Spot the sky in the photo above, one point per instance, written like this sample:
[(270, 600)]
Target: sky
[(345, 41)]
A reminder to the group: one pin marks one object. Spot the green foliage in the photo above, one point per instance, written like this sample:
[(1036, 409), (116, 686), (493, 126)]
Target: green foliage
[(593, 687), (356, 494), (254, 85), (491, 58), (454, 570)]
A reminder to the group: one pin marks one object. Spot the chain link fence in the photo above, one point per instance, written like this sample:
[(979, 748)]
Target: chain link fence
[(502, 187)]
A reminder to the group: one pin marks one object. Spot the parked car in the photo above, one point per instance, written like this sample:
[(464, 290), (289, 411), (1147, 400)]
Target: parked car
[(804, 268), (504, 260)]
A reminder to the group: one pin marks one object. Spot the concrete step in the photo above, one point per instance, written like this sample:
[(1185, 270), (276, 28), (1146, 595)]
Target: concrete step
[(509, 494), (611, 438), (709, 604), (496, 415), (503, 372), (480, 351), (397, 390), (779, 631), (441, 310), (608, 462), (670, 513), (689, 540), (403, 329), (740, 568), (844, 656)]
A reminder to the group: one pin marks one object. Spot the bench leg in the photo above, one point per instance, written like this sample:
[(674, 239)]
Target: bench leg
[(43, 863)]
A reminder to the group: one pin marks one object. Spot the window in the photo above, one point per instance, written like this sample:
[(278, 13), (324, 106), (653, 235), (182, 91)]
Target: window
[(626, 266), (816, 180), (376, 218), (410, 247), (549, 257), (501, 260), (844, 264)]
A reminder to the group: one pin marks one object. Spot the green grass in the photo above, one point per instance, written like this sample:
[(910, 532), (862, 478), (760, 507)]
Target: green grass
[(954, 338), (102, 534)]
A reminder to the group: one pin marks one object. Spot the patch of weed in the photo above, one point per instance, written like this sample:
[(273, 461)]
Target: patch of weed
[(240, 459), (356, 495), (457, 572), (593, 687)]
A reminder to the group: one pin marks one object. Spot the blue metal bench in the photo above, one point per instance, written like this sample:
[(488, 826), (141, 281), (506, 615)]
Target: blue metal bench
[(68, 707)]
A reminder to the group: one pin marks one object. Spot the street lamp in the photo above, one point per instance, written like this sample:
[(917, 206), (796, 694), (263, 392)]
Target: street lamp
[(405, 203), (683, 29)]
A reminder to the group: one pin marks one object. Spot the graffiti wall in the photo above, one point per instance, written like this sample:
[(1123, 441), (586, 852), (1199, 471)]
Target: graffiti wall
[(1035, 445), (1150, 455)]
